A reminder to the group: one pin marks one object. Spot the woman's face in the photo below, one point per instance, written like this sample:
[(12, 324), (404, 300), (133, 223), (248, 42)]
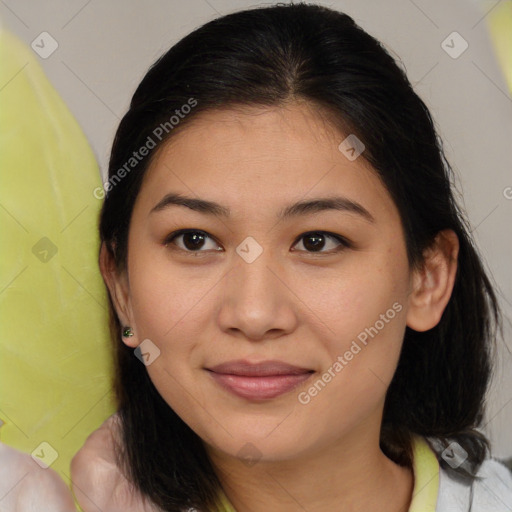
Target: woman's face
[(250, 286)]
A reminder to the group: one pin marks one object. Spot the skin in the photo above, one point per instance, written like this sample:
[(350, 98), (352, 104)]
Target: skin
[(291, 303)]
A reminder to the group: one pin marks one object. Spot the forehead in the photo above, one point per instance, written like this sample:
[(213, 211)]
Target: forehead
[(256, 159), (246, 133)]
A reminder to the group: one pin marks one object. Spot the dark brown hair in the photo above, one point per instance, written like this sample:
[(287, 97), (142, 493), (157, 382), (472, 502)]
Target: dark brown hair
[(267, 57)]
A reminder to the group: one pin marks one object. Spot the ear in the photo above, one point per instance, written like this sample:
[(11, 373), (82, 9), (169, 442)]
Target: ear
[(119, 289), (433, 283)]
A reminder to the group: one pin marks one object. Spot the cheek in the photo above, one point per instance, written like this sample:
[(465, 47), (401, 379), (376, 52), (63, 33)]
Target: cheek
[(164, 296), (360, 297), (364, 311), (171, 307), (367, 345), (361, 362)]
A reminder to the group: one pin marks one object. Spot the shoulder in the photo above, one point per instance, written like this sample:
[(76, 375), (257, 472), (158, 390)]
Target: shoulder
[(97, 480), (25, 485), (490, 491), (495, 487)]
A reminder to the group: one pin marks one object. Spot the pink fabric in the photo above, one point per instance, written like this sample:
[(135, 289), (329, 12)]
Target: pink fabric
[(27, 487), (97, 482)]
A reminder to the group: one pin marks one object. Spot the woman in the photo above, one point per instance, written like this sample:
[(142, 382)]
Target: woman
[(297, 306)]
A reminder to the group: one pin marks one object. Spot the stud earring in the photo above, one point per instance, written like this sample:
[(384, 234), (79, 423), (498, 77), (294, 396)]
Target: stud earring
[(127, 332)]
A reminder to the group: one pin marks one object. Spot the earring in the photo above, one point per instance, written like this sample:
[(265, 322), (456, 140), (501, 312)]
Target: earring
[(127, 332)]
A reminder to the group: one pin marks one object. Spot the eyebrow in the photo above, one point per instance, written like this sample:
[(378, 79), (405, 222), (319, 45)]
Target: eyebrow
[(300, 208)]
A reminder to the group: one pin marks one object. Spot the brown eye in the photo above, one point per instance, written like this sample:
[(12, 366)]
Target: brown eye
[(316, 241), (195, 241), (192, 241)]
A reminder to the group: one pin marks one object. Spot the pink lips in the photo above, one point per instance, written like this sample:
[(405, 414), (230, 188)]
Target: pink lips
[(258, 381)]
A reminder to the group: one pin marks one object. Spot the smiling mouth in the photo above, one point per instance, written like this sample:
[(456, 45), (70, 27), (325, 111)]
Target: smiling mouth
[(258, 381)]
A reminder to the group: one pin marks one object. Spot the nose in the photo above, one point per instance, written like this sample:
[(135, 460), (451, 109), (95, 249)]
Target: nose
[(257, 301)]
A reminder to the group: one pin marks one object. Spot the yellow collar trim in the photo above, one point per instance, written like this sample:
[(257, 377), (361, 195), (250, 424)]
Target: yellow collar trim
[(426, 477)]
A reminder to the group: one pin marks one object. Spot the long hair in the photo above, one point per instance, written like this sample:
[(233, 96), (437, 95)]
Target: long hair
[(268, 57)]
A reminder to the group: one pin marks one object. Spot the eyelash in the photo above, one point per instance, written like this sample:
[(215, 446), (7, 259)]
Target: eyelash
[(344, 243)]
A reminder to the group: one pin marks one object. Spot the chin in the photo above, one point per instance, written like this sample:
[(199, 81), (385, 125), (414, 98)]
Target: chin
[(261, 442)]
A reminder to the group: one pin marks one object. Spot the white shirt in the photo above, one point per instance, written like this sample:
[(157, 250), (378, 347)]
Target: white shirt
[(491, 493), (442, 490)]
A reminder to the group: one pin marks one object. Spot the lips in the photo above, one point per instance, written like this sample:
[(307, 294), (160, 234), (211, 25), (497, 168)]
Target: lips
[(265, 368), (258, 381)]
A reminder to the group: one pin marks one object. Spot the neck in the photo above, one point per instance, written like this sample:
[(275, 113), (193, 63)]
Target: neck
[(350, 474)]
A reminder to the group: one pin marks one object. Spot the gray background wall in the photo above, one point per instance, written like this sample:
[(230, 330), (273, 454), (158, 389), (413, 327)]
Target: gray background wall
[(105, 47)]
